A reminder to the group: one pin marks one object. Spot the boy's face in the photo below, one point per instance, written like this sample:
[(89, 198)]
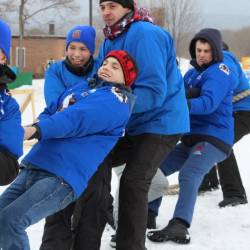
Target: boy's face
[(3, 59), (78, 54), (203, 53), (112, 12), (111, 71)]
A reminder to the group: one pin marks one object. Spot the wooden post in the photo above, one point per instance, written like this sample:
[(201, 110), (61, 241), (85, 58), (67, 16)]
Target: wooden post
[(29, 98)]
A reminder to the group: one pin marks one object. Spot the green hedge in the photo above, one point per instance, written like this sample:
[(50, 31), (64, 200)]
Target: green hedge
[(24, 78)]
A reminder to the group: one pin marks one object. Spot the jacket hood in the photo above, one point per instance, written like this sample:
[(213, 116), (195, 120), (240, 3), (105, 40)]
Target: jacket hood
[(214, 38)]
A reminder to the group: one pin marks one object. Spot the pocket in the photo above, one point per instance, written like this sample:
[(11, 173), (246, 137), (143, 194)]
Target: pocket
[(69, 197)]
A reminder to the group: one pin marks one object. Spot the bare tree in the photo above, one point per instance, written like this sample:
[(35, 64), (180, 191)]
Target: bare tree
[(28, 9), (6, 8), (238, 41), (181, 18), (182, 21)]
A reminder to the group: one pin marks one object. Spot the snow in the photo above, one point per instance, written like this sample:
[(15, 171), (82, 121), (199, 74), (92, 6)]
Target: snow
[(213, 228)]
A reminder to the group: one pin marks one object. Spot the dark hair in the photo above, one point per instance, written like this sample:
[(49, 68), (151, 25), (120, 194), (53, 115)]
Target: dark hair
[(211, 36), (225, 46), (202, 40)]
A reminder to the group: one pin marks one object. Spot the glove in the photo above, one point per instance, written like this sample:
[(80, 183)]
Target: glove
[(30, 134), (6, 74), (192, 92)]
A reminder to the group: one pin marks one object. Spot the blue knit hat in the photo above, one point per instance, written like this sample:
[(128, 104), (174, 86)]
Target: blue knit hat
[(5, 38), (82, 34)]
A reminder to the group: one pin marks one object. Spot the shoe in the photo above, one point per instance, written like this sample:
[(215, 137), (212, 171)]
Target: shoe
[(113, 241), (176, 231), (207, 186), (151, 223), (233, 201), (203, 190), (210, 182), (214, 187)]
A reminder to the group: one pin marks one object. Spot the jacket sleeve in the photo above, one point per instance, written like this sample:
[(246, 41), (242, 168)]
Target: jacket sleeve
[(151, 49), (97, 115), (12, 133), (53, 85), (190, 91), (47, 112), (151, 85), (216, 86)]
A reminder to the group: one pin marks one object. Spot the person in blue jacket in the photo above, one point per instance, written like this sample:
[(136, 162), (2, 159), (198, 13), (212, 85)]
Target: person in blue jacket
[(209, 88), (75, 134), (78, 64), (159, 116), (11, 131), (230, 180), (150, 131)]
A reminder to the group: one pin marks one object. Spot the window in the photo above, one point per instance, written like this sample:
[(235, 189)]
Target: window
[(20, 57), (9, 61)]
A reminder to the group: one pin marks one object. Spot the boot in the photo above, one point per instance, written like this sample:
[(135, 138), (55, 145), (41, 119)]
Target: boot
[(151, 223), (233, 201), (176, 231)]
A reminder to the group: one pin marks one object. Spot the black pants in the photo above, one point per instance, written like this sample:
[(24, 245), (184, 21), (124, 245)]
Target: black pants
[(80, 225), (9, 167), (229, 174), (57, 230), (210, 180), (142, 154)]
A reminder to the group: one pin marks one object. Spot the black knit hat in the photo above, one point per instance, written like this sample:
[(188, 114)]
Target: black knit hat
[(125, 3), (214, 38)]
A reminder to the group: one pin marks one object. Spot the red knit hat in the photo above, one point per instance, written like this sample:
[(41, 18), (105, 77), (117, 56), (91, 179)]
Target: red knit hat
[(127, 63)]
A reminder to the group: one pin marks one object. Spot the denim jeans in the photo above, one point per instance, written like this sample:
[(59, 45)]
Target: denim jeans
[(192, 163), (34, 195)]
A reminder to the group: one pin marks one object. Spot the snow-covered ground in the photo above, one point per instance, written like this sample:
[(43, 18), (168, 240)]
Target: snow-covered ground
[(212, 229)]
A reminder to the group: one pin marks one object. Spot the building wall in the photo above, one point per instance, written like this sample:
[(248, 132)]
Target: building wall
[(38, 50)]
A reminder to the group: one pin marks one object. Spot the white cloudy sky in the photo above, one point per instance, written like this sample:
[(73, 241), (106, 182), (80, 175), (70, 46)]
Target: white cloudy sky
[(217, 13), (226, 13), (221, 14)]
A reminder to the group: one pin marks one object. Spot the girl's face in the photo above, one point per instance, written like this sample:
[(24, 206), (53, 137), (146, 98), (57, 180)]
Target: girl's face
[(111, 71), (77, 53), (3, 59)]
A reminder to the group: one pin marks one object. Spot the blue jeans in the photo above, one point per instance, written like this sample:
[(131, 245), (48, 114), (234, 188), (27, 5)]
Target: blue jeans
[(193, 163), (34, 195)]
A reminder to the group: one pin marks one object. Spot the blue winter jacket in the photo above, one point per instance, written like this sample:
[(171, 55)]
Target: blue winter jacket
[(211, 112), (11, 131), (76, 138), (240, 81), (58, 78), (160, 106)]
